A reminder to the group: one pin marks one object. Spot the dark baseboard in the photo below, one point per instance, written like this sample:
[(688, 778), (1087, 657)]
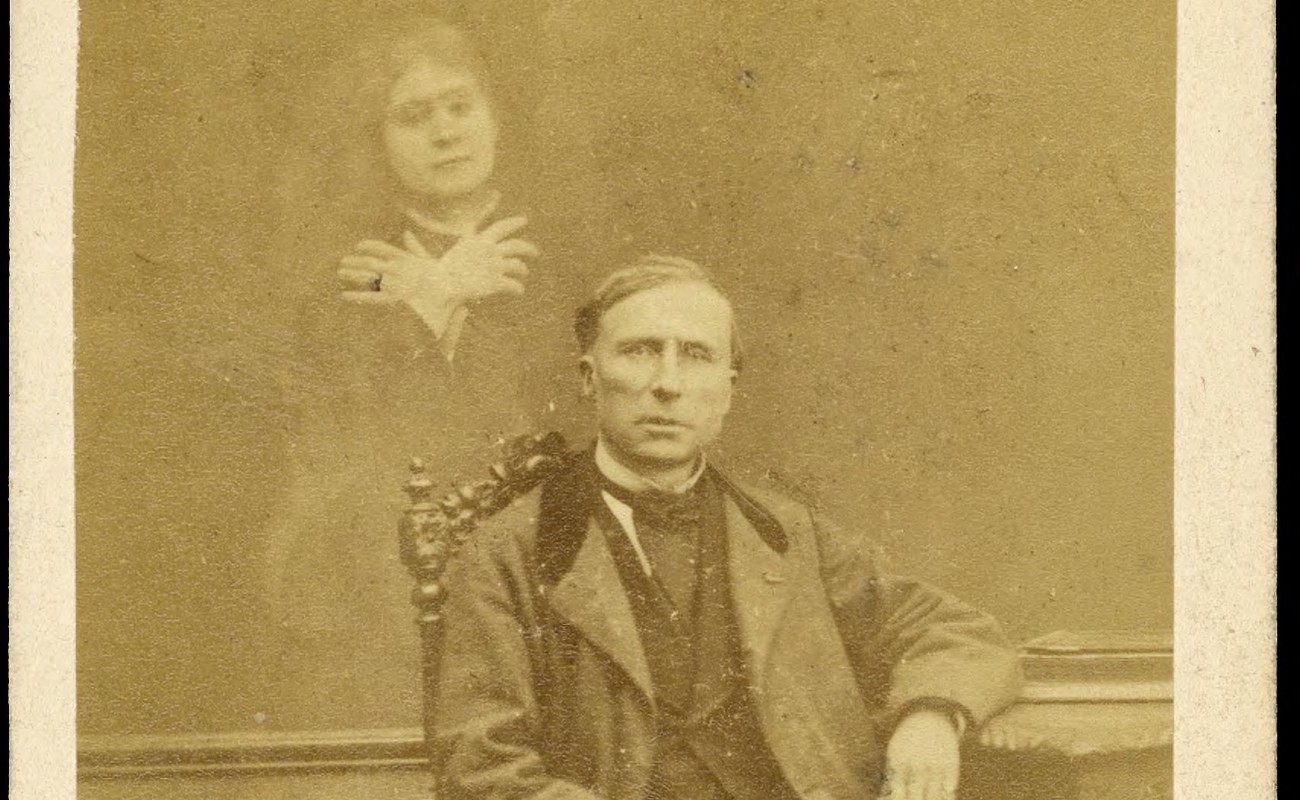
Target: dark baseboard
[(249, 752)]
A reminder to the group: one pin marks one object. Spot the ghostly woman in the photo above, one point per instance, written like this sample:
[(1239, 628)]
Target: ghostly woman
[(422, 323)]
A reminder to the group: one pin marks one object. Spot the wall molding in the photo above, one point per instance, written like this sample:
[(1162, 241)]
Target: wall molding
[(1070, 729), (242, 752)]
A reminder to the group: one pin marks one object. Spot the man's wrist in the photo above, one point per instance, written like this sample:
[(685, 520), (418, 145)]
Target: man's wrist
[(954, 712)]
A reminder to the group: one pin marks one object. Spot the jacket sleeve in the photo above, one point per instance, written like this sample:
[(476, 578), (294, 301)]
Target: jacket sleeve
[(920, 646), (488, 721)]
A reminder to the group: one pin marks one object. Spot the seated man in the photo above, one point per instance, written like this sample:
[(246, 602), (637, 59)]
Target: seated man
[(640, 626)]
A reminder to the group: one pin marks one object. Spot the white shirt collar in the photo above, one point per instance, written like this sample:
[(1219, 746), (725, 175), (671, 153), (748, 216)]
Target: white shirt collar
[(635, 482), (626, 478)]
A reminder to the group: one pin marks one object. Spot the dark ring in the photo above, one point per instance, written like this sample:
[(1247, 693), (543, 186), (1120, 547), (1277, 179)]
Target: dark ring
[(377, 283)]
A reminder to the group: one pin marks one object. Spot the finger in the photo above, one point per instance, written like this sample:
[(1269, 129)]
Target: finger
[(899, 782), (518, 248), (913, 787), (892, 787), (502, 228), (369, 298), (414, 245), (931, 788), (358, 276), (513, 268), (378, 249), (510, 287), (935, 781), (368, 263)]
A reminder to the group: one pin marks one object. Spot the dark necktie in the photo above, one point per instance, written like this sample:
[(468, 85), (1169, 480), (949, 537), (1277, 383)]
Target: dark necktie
[(668, 529), (666, 511)]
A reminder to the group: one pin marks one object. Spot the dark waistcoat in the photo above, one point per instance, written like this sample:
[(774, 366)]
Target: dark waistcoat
[(710, 745)]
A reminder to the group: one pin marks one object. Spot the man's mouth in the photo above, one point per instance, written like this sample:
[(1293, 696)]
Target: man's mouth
[(660, 422)]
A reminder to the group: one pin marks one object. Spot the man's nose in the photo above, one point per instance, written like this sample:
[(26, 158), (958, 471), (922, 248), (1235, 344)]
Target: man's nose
[(668, 376)]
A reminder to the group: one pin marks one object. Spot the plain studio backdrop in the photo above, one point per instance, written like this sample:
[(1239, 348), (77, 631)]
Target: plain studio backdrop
[(948, 229)]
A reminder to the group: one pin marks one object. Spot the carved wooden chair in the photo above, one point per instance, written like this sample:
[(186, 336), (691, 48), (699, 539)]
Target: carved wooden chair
[(432, 530)]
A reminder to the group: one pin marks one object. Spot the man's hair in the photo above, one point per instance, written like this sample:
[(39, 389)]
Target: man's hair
[(647, 273)]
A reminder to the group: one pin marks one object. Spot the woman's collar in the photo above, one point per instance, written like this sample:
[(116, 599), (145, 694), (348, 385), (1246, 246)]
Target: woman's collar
[(471, 222)]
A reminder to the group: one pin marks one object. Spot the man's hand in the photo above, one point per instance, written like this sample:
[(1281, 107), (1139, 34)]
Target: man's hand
[(922, 760), (476, 267)]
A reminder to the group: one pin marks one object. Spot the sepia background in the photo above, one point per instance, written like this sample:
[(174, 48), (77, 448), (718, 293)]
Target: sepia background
[(949, 232)]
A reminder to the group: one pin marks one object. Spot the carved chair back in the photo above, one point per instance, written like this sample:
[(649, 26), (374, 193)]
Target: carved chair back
[(433, 528)]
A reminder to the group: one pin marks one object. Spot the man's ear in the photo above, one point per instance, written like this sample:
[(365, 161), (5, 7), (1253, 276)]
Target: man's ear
[(731, 392), (587, 371)]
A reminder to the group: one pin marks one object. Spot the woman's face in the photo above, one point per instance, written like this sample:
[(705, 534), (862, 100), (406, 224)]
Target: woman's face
[(439, 132)]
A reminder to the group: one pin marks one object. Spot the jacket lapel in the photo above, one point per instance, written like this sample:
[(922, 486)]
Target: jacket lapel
[(591, 598), (760, 589), (588, 594)]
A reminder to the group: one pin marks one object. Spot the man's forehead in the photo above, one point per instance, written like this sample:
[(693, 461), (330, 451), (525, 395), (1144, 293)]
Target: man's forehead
[(679, 307)]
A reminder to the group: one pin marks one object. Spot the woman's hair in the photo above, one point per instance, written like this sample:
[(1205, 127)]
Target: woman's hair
[(333, 182), (395, 44)]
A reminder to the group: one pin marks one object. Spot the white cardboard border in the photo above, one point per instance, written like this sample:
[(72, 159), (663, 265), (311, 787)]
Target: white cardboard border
[(1225, 474)]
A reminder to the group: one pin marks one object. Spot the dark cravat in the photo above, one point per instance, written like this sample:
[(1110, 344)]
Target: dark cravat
[(668, 529), (657, 508)]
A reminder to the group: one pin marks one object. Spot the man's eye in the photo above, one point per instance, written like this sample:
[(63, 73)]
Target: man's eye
[(460, 108), (698, 354), (639, 350)]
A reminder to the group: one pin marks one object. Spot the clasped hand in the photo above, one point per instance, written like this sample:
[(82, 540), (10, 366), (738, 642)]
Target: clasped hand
[(922, 760), (476, 267)]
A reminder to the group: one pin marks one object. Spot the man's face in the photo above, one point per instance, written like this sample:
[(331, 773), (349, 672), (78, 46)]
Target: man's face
[(439, 132), (660, 373)]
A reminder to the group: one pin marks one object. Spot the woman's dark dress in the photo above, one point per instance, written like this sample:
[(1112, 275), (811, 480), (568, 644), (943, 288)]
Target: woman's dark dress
[(373, 389)]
